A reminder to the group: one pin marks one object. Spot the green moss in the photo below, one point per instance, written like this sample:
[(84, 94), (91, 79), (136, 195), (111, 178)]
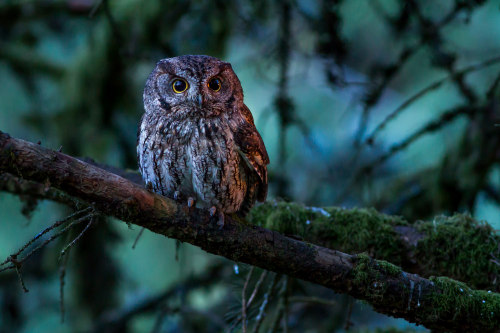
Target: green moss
[(458, 246), (349, 230), (458, 300), (288, 218), (367, 269), (454, 300), (362, 271), (461, 248), (389, 269), (370, 276)]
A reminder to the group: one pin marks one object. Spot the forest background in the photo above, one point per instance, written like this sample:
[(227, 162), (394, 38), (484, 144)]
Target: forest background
[(361, 103)]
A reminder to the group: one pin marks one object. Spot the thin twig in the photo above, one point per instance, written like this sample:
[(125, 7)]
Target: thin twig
[(432, 126), (43, 232), (137, 238), (374, 95), (281, 306), (49, 240), (424, 91), (256, 289), (244, 303), (67, 247), (62, 275), (252, 297), (20, 276), (267, 297)]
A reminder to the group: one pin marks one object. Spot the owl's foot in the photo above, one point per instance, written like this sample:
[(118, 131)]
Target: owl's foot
[(191, 202), (212, 211), (220, 221)]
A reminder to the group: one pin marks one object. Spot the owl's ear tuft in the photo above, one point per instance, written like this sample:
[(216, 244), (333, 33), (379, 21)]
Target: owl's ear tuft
[(164, 66), (225, 66)]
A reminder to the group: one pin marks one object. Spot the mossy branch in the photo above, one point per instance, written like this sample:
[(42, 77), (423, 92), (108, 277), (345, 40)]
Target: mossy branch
[(436, 303), (459, 246)]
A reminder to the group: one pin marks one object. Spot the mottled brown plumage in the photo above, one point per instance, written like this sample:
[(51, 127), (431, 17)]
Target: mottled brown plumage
[(201, 144)]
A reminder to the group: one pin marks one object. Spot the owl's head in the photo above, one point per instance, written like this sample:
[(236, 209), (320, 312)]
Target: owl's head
[(192, 86)]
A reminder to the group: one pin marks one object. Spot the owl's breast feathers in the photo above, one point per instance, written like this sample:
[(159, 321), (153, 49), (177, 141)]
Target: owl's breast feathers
[(221, 161)]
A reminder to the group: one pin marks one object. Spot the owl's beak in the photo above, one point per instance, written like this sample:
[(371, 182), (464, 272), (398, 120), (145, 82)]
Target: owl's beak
[(199, 99)]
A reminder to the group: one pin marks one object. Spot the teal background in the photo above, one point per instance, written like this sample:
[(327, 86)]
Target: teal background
[(74, 79)]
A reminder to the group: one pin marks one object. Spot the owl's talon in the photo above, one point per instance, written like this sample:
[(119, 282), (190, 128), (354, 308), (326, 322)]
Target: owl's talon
[(190, 202), (212, 211), (220, 218), (149, 186), (176, 195)]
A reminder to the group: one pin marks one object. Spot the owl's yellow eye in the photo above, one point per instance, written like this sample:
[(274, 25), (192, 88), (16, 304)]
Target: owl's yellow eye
[(215, 84), (179, 86)]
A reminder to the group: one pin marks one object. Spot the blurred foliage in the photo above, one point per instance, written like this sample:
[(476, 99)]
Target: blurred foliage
[(390, 104)]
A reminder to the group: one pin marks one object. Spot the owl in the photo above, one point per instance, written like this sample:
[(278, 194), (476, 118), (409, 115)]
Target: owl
[(197, 142)]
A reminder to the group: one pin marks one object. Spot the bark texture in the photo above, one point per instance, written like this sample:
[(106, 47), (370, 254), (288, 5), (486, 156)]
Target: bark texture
[(436, 303)]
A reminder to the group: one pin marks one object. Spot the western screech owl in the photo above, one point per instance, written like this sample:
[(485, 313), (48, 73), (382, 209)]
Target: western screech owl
[(197, 140)]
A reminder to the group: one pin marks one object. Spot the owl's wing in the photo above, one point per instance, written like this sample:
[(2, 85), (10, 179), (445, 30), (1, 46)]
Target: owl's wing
[(252, 149)]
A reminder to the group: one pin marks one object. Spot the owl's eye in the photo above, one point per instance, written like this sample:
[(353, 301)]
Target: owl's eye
[(179, 86), (215, 84)]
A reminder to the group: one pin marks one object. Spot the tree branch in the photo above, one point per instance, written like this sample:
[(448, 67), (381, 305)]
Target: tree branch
[(437, 303), (22, 187), (392, 238), (410, 245)]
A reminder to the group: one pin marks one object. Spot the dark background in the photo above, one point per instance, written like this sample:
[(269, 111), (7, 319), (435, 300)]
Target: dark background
[(321, 78)]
